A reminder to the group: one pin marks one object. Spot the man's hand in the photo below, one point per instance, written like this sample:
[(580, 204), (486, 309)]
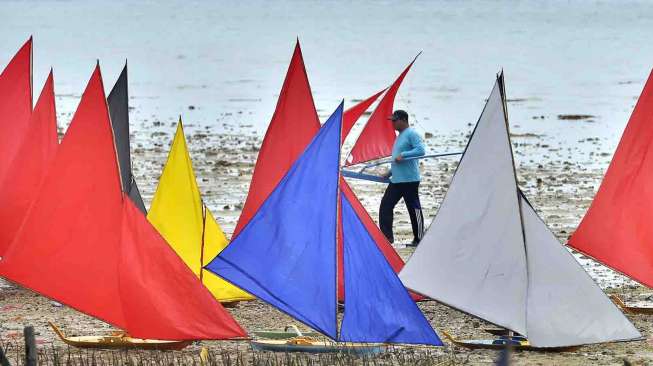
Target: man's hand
[(399, 158)]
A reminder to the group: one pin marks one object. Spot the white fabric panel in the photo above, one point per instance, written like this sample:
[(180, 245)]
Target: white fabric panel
[(565, 306), (472, 257)]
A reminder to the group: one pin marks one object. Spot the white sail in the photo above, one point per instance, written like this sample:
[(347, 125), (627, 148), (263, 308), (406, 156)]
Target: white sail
[(565, 306), (472, 257), (488, 253)]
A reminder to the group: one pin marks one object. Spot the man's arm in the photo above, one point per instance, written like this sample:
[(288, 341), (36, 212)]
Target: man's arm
[(418, 147)]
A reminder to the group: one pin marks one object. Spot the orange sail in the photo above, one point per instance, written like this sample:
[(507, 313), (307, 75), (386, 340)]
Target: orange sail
[(15, 105), (85, 244), (29, 166), (618, 228), (378, 135)]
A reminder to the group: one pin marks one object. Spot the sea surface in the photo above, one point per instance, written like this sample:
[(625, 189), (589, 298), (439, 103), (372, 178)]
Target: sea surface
[(221, 64)]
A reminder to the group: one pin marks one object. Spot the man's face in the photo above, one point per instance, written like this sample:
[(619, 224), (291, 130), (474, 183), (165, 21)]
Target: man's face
[(397, 124)]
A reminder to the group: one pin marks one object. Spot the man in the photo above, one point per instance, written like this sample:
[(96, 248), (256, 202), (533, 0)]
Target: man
[(404, 179)]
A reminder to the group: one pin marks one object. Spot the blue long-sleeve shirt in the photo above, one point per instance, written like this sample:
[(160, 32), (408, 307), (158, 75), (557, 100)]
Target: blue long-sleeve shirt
[(408, 144)]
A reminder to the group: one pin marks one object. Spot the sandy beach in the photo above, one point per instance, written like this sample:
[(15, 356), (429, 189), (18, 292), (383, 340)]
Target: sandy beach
[(574, 71), (561, 192)]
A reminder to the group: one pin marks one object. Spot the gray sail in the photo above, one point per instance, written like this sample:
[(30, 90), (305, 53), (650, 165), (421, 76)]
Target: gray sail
[(118, 102), (565, 306), (472, 256), (488, 253)]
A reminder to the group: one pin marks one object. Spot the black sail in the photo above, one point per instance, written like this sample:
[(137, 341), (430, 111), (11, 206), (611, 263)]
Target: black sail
[(118, 101)]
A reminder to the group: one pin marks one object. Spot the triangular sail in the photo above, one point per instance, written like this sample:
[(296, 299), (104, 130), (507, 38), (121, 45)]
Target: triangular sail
[(292, 127), (378, 135), (617, 230), (178, 213), (96, 253), (29, 166), (488, 254), (378, 307), (381, 241), (214, 242), (565, 306), (352, 114), (118, 101), (472, 256), (15, 105), (293, 235)]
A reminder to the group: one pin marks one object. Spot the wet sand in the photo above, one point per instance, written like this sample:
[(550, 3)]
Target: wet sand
[(560, 190)]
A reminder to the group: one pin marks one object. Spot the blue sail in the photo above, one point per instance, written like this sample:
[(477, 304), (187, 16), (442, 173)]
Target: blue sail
[(378, 307), (286, 254)]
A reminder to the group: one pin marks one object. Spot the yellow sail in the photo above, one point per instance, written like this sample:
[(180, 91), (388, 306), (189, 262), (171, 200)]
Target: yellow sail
[(178, 213)]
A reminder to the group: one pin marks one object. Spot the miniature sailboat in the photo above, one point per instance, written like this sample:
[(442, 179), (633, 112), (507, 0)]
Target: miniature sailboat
[(378, 136), (489, 254), (15, 106), (118, 101), (294, 124), (295, 233), (617, 230), (184, 221), (84, 244), (29, 165)]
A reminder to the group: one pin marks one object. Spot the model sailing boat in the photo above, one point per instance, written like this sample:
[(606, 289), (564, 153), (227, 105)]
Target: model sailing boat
[(84, 244), (617, 229), (294, 233), (181, 217), (489, 254), (294, 124)]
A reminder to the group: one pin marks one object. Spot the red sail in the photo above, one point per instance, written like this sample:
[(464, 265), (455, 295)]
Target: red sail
[(618, 228), (29, 166), (293, 125), (15, 105), (352, 114), (378, 136), (84, 244)]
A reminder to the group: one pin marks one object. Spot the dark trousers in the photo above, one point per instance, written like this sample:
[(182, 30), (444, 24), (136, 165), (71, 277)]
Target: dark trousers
[(410, 193)]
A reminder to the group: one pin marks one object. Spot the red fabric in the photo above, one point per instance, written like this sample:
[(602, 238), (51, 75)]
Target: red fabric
[(378, 135), (15, 105), (618, 228), (29, 166), (352, 114), (85, 245), (161, 297), (293, 125)]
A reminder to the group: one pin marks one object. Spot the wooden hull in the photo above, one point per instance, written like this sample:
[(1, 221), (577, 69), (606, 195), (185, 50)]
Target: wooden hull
[(119, 342), (499, 344), (281, 334), (276, 345), (630, 309)]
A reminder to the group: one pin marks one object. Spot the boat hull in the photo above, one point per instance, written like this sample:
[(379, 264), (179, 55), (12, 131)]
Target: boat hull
[(499, 344), (119, 342), (629, 308), (276, 345)]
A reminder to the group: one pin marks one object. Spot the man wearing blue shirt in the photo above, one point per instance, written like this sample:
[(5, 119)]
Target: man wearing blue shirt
[(404, 179)]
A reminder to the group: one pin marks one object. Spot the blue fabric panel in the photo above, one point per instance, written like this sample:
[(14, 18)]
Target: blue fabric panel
[(286, 255), (378, 307)]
